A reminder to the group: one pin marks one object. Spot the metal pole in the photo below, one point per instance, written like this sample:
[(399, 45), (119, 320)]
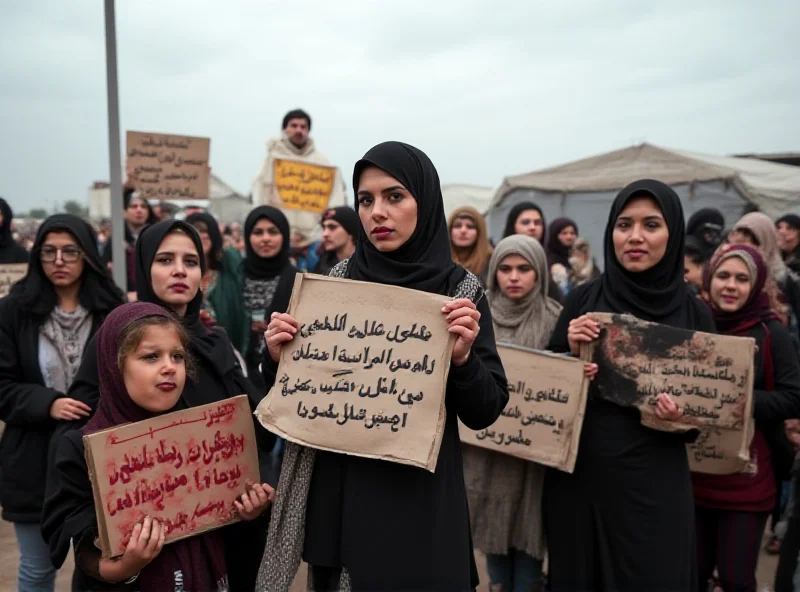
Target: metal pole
[(114, 156)]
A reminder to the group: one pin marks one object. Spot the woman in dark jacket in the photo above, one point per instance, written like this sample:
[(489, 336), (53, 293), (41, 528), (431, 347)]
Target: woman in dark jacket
[(10, 250), (45, 323), (222, 282), (629, 499), (268, 279), (423, 541), (169, 268), (732, 510)]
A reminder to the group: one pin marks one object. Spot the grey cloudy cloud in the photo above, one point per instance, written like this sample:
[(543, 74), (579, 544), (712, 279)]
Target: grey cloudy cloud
[(487, 88)]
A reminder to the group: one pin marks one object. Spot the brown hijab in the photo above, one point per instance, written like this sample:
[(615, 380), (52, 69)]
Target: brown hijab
[(476, 257)]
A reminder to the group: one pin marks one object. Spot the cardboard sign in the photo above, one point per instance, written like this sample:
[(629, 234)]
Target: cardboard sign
[(543, 418), (721, 452), (169, 167), (303, 186), (183, 469), (709, 376), (366, 373), (10, 274)]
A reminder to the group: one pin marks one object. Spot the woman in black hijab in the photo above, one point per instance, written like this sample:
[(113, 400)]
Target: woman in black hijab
[(423, 541), (527, 218), (707, 224), (167, 275), (10, 250), (45, 324), (268, 278), (624, 520)]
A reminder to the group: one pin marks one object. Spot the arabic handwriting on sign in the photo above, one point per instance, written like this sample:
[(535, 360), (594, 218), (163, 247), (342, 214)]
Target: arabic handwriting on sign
[(397, 336), (379, 418), (518, 438), (303, 387), (337, 324), (223, 412), (370, 330)]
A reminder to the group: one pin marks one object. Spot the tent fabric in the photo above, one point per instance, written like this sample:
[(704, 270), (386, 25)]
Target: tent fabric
[(459, 194), (775, 188)]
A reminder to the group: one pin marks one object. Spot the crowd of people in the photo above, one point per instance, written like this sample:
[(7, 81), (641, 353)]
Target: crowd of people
[(203, 317)]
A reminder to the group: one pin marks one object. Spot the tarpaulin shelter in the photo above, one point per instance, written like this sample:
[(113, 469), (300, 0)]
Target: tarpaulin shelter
[(584, 189)]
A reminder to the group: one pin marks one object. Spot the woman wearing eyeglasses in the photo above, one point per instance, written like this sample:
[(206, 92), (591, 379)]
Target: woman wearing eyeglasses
[(45, 323)]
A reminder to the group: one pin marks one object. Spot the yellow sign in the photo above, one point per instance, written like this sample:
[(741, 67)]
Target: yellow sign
[(303, 186)]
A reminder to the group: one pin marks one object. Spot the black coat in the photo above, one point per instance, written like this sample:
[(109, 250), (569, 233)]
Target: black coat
[(25, 408), (397, 527), (13, 252)]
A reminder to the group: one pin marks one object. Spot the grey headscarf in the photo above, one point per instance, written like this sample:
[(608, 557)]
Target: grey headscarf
[(530, 321)]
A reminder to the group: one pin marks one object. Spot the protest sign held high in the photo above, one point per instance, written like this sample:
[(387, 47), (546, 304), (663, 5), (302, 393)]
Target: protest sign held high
[(167, 166), (183, 469), (366, 373), (542, 421), (11, 273), (303, 186), (709, 376)]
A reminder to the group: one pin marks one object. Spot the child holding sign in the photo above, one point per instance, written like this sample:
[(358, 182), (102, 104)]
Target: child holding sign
[(143, 364)]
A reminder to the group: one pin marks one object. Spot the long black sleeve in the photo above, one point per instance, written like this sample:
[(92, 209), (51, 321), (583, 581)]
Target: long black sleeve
[(558, 340), (69, 509), (21, 403), (478, 391), (783, 401)]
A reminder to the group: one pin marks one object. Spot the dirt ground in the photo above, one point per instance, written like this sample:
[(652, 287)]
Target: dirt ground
[(9, 558)]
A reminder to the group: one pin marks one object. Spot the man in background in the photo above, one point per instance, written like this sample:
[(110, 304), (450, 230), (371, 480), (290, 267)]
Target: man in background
[(339, 232), (295, 144)]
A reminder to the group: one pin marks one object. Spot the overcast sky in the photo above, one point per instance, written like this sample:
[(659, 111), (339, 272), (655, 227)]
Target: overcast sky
[(486, 88)]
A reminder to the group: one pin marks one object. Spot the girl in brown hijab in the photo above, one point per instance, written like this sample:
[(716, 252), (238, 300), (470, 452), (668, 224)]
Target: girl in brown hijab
[(469, 241)]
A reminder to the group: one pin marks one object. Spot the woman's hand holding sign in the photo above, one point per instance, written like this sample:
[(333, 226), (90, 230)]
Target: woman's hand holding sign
[(281, 329), (255, 500), (463, 317)]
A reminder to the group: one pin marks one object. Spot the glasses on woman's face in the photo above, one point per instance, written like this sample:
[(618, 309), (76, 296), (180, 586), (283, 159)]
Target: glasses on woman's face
[(68, 254)]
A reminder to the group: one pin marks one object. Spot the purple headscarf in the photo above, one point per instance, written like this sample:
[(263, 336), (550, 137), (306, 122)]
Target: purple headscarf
[(200, 559)]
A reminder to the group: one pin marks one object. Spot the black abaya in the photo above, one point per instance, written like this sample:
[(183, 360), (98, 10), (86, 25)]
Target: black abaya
[(624, 519)]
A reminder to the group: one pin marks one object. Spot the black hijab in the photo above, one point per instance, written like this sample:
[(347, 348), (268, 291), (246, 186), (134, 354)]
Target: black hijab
[(658, 294), (511, 221), (215, 257), (10, 250), (424, 262), (147, 246), (261, 268), (557, 252), (212, 347), (98, 293)]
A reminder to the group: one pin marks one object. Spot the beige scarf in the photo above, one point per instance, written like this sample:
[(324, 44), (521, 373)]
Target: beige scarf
[(530, 321)]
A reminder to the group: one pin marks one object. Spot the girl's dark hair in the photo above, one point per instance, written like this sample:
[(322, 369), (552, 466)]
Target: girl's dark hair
[(132, 336), (98, 294)]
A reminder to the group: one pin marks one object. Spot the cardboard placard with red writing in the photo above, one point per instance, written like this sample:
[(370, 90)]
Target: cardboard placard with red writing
[(183, 469), (365, 374), (167, 166)]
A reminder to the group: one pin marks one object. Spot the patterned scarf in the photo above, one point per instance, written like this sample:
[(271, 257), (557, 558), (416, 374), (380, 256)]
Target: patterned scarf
[(67, 333), (284, 549)]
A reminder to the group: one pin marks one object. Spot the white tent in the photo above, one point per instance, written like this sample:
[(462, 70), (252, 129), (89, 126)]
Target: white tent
[(459, 194), (584, 189)]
